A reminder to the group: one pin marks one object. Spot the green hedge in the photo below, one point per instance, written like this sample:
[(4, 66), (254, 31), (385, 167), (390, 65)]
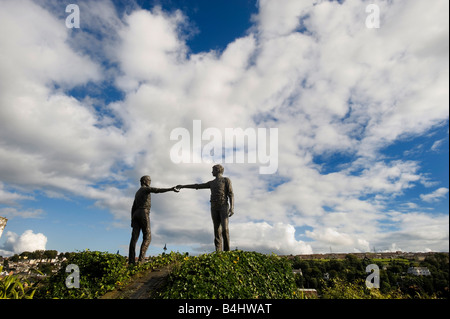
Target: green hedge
[(235, 274), (99, 272)]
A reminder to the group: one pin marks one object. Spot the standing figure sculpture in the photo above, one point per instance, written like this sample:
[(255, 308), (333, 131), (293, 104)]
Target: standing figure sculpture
[(221, 193), (140, 217)]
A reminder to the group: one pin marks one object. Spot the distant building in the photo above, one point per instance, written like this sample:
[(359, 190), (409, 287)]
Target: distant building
[(297, 272), (419, 271), (307, 293)]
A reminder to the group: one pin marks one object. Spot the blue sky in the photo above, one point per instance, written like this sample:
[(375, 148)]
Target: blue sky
[(361, 116)]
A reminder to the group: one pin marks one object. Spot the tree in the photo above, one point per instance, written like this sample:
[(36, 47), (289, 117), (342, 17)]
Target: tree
[(50, 254), (299, 280), (313, 283), (45, 268), (316, 272), (296, 264), (26, 255), (333, 273), (336, 265), (353, 262)]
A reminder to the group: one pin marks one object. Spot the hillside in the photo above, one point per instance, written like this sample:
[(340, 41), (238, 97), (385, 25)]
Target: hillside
[(239, 274)]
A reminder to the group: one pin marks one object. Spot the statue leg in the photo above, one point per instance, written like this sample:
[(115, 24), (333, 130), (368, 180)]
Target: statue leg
[(133, 241), (225, 230), (215, 215), (146, 236)]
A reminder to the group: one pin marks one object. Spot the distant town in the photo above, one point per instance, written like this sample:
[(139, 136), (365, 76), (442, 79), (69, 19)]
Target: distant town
[(412, 256), (37, 263)]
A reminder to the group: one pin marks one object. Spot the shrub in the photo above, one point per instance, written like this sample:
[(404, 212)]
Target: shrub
[(342, 289), (100, 272), (234, 274)]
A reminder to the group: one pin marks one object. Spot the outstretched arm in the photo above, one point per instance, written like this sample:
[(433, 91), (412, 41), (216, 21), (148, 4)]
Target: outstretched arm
[(194, 186), (164, 190)]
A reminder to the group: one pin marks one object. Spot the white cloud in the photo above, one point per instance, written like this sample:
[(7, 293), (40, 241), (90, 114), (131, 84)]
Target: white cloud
[(279, 18), (417, 231), (50, 141), (436, 145), (28, 241), (435, 196), (338, 241), (11, 212), (9, 198), (36, 49), (149, 56), (393, 248), (278, 238)]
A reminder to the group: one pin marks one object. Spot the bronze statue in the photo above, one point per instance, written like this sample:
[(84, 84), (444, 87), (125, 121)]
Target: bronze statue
[(221, 193), (140, 217)]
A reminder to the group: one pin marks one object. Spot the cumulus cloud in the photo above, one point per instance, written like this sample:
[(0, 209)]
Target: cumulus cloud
[(278, 238), (314, 71), (28, 241), (329, 237)]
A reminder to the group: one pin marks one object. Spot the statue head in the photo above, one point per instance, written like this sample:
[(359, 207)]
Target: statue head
[(217, 170), (145, 180)]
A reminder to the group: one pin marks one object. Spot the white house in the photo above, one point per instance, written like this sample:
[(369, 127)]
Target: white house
[(419, 271)]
